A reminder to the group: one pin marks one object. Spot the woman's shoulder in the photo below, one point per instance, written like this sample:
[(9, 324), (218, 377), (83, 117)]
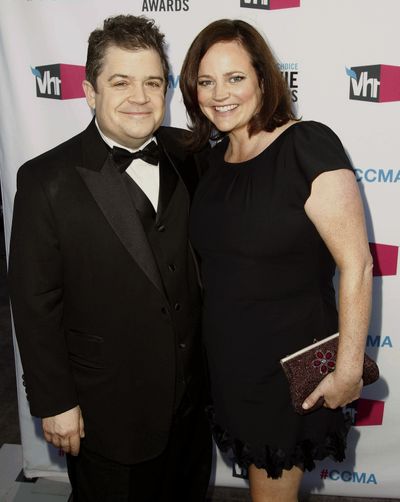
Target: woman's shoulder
[(311, 128), (311, 135), (316, 148)]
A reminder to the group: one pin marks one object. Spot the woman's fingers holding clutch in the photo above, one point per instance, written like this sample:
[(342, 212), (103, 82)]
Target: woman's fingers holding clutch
[(315, 396), (335, 390)]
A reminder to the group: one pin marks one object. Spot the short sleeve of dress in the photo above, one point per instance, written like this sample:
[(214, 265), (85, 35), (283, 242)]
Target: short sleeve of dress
[(317, 149)]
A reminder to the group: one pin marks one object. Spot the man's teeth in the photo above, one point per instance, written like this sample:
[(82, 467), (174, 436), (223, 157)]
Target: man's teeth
[(226, 108)]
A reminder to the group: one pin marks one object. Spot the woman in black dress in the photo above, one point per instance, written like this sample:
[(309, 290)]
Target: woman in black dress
[(276, 210)]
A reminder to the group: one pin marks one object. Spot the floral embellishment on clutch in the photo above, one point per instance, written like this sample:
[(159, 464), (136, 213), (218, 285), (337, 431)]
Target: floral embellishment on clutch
[(324, 361)]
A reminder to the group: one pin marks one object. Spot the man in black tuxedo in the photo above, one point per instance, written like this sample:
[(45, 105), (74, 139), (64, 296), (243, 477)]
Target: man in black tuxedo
[(104, 286)]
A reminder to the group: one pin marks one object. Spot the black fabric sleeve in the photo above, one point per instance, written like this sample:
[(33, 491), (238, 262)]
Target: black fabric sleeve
[(35, 282), (318, 149)]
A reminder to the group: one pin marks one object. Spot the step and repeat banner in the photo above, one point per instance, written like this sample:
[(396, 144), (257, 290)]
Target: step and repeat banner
[(341, 61)]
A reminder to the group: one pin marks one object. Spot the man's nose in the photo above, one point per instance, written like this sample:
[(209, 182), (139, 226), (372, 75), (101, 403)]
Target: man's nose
[(137, 94)]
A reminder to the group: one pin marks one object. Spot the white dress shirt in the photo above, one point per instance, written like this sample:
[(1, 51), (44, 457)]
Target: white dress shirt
[(146, 175)]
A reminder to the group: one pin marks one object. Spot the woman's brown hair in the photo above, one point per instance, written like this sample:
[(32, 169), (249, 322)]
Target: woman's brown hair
[(276, 105)]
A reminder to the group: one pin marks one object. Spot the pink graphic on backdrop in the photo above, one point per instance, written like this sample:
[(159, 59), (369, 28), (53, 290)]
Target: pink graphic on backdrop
[(390, 83), (72, 77), (284, 4), (369, 412), (385, 259)]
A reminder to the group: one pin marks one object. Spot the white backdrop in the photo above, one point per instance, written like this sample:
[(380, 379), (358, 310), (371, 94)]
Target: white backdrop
[(342, 61)]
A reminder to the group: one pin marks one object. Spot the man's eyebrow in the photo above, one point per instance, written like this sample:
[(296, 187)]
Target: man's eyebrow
[(121, 75), (117, 75)]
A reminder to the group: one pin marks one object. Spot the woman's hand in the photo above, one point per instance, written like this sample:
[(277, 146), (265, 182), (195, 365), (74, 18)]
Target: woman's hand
[(336, 389)]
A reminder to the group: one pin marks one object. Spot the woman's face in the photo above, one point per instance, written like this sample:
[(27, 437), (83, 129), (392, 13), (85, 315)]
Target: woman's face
[(227, 87)]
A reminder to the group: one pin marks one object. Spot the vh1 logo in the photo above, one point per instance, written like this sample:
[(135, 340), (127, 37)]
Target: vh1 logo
[(59, 81), (385, 259), (377, 83), (269, 4)]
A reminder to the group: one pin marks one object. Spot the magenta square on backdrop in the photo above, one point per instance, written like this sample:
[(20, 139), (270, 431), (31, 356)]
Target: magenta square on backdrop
[(385, 259), (369, 412), (72, 77), (284, 4), (389, 83)]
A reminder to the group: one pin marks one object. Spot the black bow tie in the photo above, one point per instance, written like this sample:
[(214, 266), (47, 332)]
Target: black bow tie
[(123, 158)]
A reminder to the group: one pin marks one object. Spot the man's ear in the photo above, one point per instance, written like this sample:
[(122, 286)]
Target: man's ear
[(90, 93)]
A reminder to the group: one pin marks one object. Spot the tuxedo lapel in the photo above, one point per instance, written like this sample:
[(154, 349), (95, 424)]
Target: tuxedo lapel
[(110, 193), (168, 181), (173, 150)]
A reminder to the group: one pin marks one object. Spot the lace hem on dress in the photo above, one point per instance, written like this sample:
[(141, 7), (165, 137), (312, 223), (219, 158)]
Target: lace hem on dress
[(274, 460)]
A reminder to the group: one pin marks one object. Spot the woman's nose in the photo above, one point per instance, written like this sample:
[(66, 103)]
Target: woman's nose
[(221, 92)]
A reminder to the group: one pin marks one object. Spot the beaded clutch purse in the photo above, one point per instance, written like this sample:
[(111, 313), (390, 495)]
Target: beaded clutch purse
[(305, 368)]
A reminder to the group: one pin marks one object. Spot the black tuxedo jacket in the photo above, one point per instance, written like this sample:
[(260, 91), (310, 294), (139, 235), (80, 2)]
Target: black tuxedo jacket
[(91, 317)]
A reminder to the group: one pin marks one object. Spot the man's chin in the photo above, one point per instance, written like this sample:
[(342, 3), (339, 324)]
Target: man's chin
[(142, 133), (136, 140)]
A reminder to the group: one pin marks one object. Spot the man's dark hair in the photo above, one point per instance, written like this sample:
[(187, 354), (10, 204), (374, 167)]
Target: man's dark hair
[(276, 105), (127, 32)]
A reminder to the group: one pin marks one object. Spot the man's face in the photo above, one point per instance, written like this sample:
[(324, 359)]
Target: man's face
[(130, 99)]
